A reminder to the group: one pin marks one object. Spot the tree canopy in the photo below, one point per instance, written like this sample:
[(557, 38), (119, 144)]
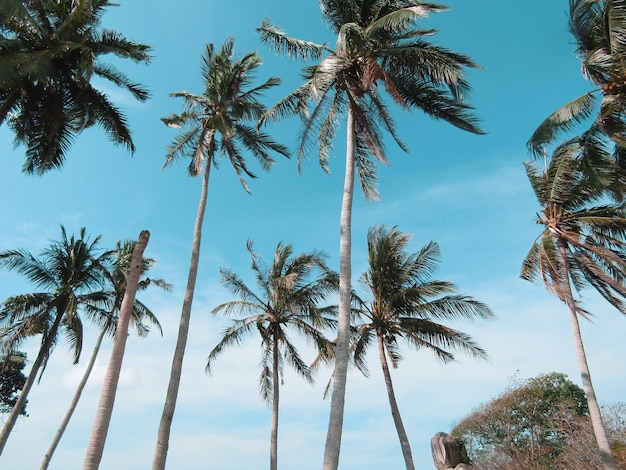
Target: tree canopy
[(539, 423)]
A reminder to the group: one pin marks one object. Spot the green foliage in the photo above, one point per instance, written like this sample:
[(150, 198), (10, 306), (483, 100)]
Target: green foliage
[(12, 379), (218, 121), (408, 304), (532, 424), (291, 289), (380, 54), (50, 50)]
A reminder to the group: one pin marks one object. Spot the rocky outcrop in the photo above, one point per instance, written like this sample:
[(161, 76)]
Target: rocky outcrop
[(449, 453)]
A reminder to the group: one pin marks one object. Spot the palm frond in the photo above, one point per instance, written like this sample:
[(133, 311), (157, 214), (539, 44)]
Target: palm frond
[(562, 120), (283, 44)]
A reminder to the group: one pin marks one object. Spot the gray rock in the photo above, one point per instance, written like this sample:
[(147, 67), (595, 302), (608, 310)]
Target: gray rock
[(448, 453)]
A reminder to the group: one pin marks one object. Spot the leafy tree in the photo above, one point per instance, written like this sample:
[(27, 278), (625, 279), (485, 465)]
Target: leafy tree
[(213, 124), (406, 303), (50, 50), (582, 244), (12, 380), (379, 47), (291, 289), (527, 426), (108, 315), (71, 272), (539, 423)]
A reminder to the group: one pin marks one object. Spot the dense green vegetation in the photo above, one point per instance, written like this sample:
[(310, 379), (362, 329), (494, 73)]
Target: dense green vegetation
[(538, 423)]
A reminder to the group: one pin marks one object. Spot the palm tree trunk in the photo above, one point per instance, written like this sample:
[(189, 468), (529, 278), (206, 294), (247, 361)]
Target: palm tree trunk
[(21, 401), (275, 400), (395, 412), (335, 424), (70, 411), (101, 423), (163, 436), (608, 461)]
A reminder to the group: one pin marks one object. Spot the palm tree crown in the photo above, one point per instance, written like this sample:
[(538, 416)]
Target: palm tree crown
[(216, 120), (599, 29), (49, 52), (379, 46), (71, 274), (406, 302), (578, 214)]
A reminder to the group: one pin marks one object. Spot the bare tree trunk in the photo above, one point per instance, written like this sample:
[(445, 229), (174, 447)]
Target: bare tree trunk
[(70, 411), (395, 412), (335, 424), (163, 436), (608, 461), (275, 400), (21, 401), (101, 423)]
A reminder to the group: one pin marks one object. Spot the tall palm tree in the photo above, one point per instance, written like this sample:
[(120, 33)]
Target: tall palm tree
[(582, 244), (108, 315), (599, 29), (406, 303), (100, 428), (379, 47), (291, 290), (214, 124), (50, 50), (71, 272)]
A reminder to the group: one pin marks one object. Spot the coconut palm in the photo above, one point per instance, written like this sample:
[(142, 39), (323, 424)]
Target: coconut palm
[(71, 273), (214, 124), (406, 303), (108, 315), (582, 244), (379, 47), (95, 447), (291, 289), (50, 50), (599, 29)]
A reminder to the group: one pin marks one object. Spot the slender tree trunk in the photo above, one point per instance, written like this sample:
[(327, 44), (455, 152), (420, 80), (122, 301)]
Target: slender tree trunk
[(275, 400), (335, 424), (608, 461), (21, 401), (70, 411), (163, 436), (101, 423), (395, 412)]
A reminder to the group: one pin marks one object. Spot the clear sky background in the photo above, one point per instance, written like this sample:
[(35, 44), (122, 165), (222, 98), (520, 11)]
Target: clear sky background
[(468, 193)]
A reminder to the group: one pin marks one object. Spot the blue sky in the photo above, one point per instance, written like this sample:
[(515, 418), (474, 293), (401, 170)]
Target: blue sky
[(468, 193)]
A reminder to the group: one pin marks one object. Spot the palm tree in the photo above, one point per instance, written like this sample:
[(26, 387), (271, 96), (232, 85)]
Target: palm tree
[(599, 28), (379, 46), (406, 303), (291, 289), (582, 244), (71, 272), (50, 51), (213, 124), (95, 447), (117, 275)]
